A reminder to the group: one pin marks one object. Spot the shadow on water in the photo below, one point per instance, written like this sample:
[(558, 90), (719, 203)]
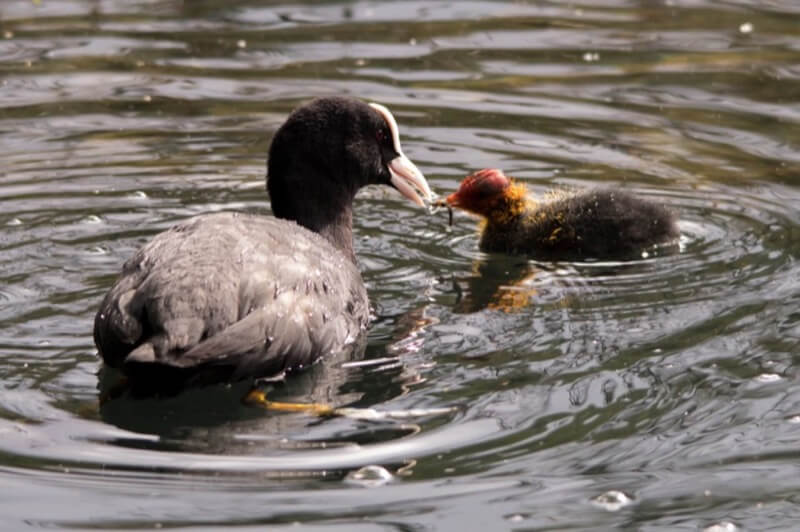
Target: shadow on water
[(219, 418), (222, 419), (511, 283)]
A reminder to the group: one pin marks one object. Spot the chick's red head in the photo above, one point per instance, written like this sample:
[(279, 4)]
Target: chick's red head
[(479, 191)]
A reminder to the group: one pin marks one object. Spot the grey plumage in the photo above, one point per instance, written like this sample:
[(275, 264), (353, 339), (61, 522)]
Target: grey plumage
[(227, 296), (234, 294)]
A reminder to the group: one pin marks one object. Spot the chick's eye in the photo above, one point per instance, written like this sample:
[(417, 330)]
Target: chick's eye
[(380, 135), (482, 188)]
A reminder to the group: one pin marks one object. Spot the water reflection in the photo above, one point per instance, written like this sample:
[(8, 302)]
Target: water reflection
[(215, 416)]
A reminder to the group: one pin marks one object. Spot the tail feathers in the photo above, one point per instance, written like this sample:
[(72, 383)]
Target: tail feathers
[(252, 346), (143, 354), (123, 317), (117, 327), (239, 339)]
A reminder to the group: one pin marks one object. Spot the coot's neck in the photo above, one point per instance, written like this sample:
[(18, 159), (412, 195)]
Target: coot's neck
[(319, 199), (338, 230), (324, 210)]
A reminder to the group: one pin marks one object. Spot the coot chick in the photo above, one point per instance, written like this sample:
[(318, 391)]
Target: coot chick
[(594, 224), (230, 295)]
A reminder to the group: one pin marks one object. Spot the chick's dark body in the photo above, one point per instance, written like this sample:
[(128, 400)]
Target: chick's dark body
[(598, 224)]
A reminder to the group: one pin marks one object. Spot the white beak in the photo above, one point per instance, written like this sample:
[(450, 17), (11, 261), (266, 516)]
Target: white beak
[(406, 177)]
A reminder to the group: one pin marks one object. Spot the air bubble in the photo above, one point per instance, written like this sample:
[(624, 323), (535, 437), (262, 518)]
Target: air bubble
[(612, 500), (370, 476), (722, 526)]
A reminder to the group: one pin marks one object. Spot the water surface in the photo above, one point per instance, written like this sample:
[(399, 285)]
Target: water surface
[(655, 394)]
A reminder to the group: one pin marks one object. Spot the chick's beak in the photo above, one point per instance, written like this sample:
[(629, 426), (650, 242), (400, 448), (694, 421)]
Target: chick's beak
[(452, 200), (406, 178)]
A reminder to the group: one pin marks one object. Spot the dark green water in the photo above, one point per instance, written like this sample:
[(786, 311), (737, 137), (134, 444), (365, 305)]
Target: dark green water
[(671, 379)]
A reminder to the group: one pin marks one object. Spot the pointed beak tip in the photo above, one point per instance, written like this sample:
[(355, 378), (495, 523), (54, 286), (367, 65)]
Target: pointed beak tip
[(411, 183)]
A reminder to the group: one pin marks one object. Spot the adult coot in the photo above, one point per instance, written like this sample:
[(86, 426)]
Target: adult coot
[(594, 224), (230, 295)]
